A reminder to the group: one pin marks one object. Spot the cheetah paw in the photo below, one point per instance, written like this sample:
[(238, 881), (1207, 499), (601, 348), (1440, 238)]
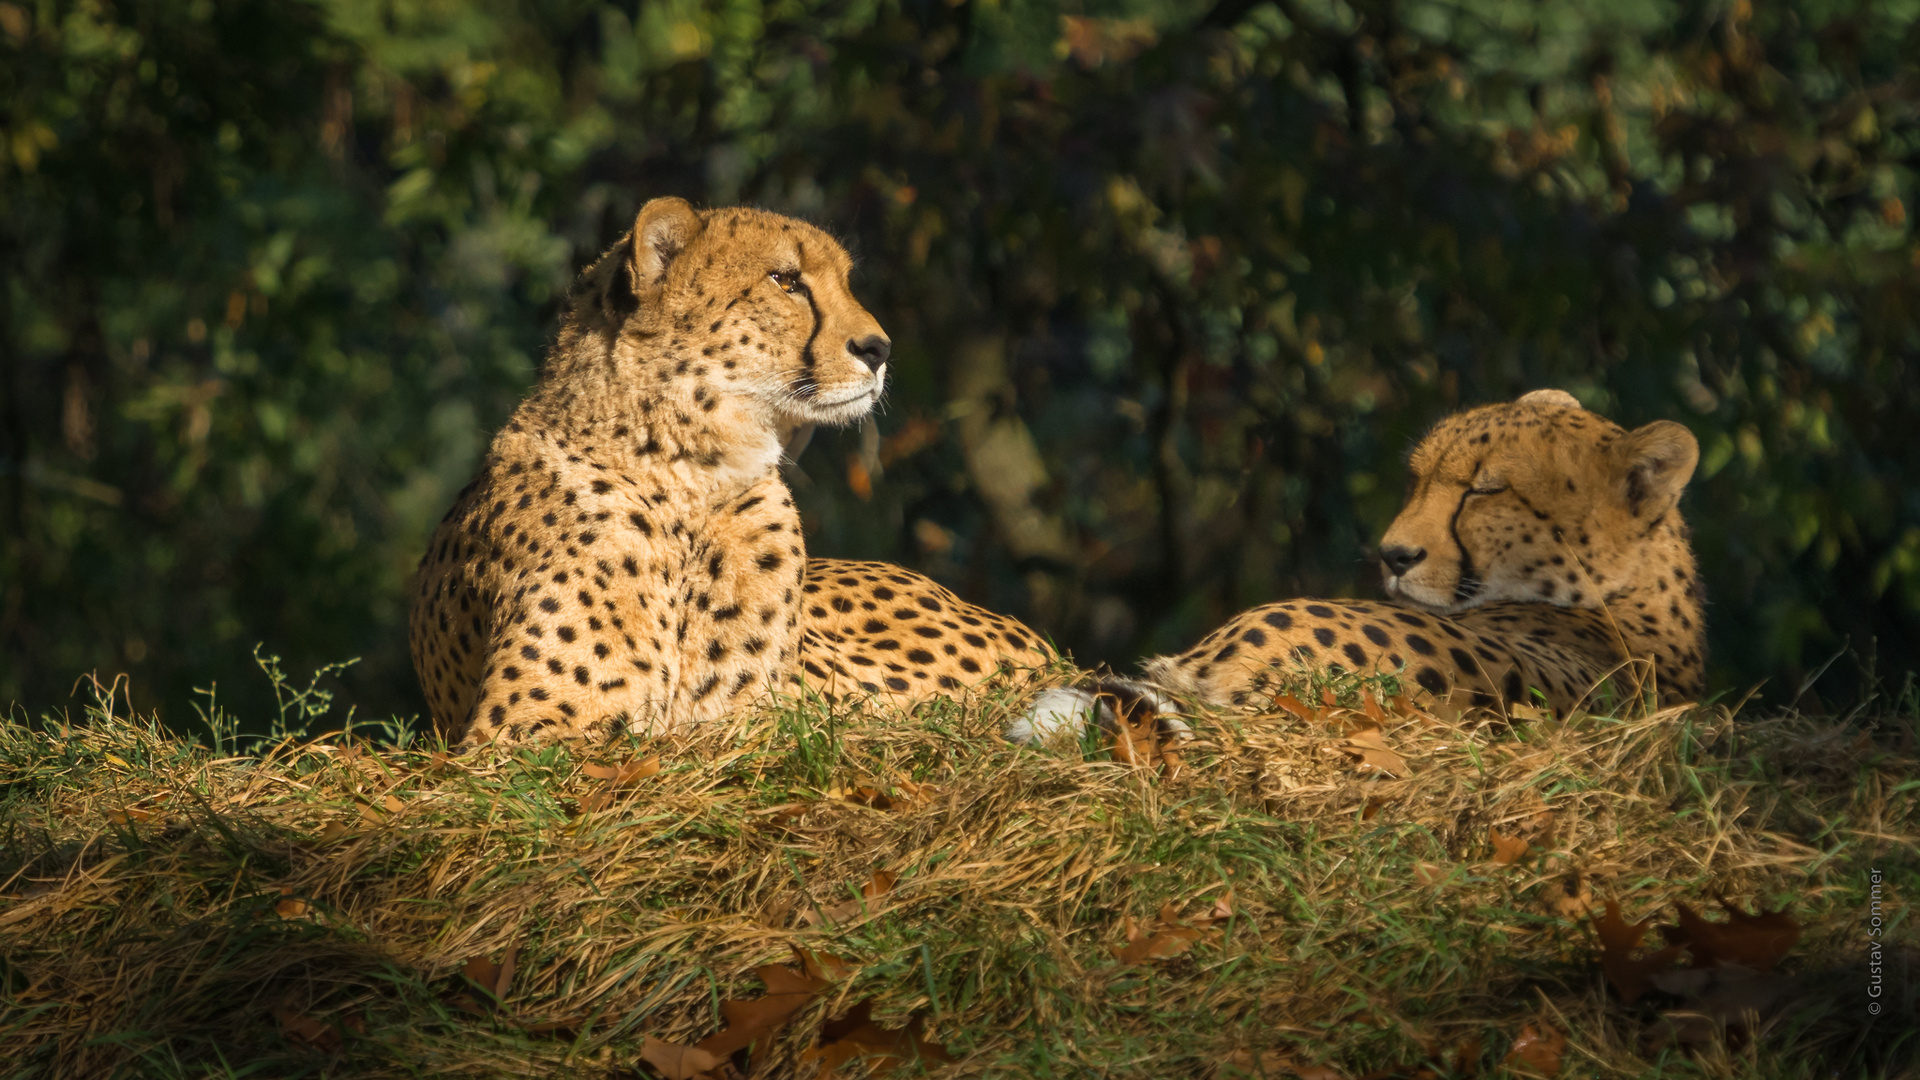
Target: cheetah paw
[(1065, 712)]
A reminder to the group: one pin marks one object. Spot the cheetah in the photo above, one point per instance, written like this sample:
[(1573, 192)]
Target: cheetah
[(1541, 551), (882, 632), (627, 558)]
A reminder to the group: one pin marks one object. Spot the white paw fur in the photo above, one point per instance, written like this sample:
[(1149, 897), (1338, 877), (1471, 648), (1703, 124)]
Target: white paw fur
[(1067, 711)]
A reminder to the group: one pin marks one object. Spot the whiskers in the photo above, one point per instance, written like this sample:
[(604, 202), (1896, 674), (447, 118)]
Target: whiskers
[(1467, 588), (803, 388), (804, 393)]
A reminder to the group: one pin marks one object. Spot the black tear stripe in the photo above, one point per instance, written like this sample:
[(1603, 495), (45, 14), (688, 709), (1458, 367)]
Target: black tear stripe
[(1464, 588), (806, 354)]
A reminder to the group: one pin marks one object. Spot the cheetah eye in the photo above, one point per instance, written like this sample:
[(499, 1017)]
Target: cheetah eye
[(1487, 486), (786, 279)]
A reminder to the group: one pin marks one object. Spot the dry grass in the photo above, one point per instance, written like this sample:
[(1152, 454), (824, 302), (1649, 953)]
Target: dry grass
[(167, 909)]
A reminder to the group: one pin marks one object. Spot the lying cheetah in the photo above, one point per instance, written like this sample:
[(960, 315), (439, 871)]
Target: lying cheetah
[(1541, 550), (873, 629), (627, 557)]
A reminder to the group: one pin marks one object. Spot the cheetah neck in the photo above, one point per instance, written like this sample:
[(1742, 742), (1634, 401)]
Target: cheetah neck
[(1656, 605), (661, 415)]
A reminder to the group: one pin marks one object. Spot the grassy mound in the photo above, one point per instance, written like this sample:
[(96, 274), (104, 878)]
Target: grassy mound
[(1308, 892)]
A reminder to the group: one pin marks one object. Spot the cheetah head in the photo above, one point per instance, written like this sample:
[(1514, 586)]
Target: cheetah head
[(1536, 500), (754, 307)]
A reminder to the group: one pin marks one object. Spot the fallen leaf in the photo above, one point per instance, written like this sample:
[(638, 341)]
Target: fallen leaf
[(913, 795), (775, 912), (1753, 941), (618, 775), (1372, 810), (1368, 749), (381, 813), (1539, 1049), (1295, 706), (676, 1062), (750, 1021), (1221, 911), (621, 774), (1720, 999), (1618, 939), (1426, 873), (825, 967), (550, 1027), (494, 978), (856, 1037), (1573, 899), (289, 906), (305, 1029), (1167, 936), (871, 797), (1372, 707), (879, 883), (788, 813), (130, 816), (333, 830), (594, 802), (1508, 850)]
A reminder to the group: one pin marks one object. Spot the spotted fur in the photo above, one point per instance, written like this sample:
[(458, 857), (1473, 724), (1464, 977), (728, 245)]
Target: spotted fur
[(875, 630), (627, 557), (1541, 550)]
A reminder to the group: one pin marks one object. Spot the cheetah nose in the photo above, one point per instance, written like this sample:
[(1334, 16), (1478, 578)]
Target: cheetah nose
[(871, 350), (1399, 560)]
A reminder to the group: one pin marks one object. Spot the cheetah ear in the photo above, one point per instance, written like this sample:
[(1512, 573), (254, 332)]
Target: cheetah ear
[(663, 230), (1558, 399), (1658, 461)]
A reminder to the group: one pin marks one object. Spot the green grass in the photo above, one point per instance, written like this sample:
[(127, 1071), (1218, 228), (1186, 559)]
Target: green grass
[(1371, 929)]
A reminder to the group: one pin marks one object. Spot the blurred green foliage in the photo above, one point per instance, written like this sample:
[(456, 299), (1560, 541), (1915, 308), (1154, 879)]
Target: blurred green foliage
[(1173, 288)]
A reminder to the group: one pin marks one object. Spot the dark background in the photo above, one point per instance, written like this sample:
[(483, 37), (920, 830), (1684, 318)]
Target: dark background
[(1173, 289)]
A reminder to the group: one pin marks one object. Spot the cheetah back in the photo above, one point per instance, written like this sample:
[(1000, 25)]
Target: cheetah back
[(874, 629)]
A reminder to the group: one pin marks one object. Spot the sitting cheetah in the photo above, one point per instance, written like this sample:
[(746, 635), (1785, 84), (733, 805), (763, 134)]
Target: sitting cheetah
[(627, 557), (1541, 549)]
